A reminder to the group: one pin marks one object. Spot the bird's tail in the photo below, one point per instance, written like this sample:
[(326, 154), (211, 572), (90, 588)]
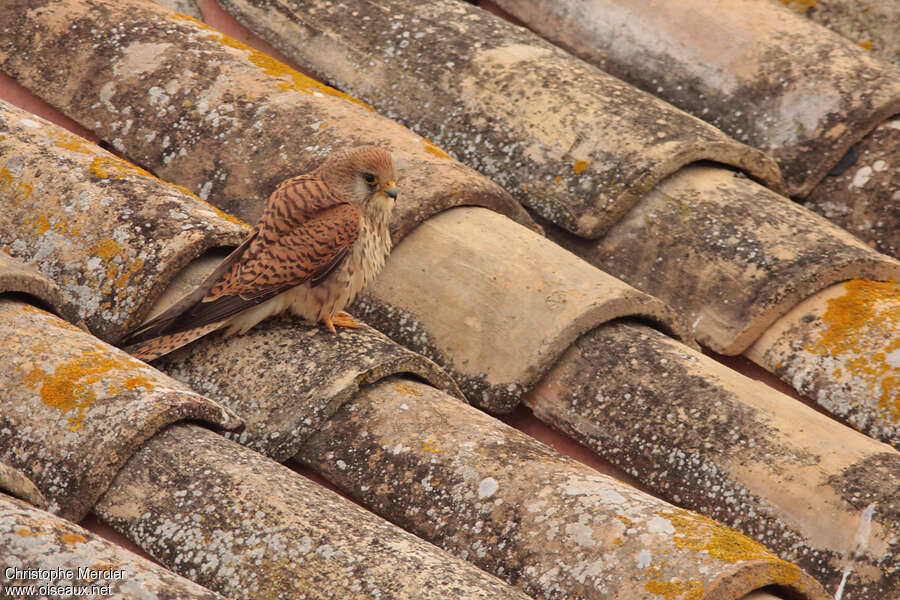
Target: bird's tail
[(169, 342)]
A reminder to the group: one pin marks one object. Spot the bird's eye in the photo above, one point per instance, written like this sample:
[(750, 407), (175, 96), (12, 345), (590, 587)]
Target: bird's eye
[(370, 179)]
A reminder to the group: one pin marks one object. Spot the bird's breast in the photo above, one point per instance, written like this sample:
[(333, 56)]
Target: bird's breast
[(364, 261)]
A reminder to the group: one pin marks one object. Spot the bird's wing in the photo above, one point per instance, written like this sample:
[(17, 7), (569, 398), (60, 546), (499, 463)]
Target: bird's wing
[(306, 253), (293, 202), (159, 324), (307, 194)]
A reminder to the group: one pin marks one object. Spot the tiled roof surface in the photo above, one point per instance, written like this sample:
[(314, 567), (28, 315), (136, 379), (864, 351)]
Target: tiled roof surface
[(565, 243)]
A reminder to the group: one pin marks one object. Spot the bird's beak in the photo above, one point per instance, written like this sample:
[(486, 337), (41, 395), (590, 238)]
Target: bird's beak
[(390, 188)]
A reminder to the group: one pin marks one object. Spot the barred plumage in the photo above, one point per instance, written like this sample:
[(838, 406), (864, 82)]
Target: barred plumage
[(323, 237)]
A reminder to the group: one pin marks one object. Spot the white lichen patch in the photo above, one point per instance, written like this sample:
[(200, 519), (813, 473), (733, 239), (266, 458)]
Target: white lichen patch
[(580, 534), (659, 525), (487, 487), (862, 177)]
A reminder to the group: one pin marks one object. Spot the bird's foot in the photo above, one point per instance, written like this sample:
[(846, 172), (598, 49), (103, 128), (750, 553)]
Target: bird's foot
[(341, 319)]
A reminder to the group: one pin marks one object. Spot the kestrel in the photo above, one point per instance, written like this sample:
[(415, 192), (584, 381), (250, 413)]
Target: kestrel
[(322, 238)]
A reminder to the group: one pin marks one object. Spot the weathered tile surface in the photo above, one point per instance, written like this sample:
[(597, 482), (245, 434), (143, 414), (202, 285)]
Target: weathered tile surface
[(864, 197), (209, 113), (729, 254), (247, 527), (871, 24), (74, 409), (13, 482), (841, 347), (240, 187), (706, 438), (21, 278), (107, 232), (516, 508), (728, 63), (34, 541), (286, 379), (495, 303), (567, 140)]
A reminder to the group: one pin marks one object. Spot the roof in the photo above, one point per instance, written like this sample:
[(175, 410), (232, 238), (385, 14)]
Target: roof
[(569, 250)]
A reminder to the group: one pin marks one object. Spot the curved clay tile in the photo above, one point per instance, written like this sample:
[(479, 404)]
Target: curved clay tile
[(294, 398), (514, 507), (571, 142), (63, 554), (708, 439), (212, 114), (75, 409), (761, 74), (248, 527), (18, 277), (766, 284), (108, 233), (871, 24), (730, 255), (843, 347), (864, 198), (308, 374), (502, 318), (15, 483), (495, 303)]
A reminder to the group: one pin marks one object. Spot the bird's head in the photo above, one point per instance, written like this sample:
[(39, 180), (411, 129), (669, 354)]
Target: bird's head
[(366, 174)]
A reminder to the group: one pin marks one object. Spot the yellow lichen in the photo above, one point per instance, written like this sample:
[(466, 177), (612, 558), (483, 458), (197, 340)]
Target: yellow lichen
[(110, 167), (435, 151), (800, 6), (676, 589), (25, 532), (16, 191), (107, 248), (867, 44), (125, 276), (430, 446), (856, 323), (73, 538), (783, 573), (274, 68), (580, 166), (118, 272), (63, 228), (179, 16), (41, 224), (73, 142), (137, 381), (699, 533), (402, 388), (71, 385)]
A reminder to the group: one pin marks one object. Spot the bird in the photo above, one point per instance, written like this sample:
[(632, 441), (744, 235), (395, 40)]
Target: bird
[(322, 238)]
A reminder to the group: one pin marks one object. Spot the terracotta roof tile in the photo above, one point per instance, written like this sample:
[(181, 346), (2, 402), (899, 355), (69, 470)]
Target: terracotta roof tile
[(46, 556), (767, 77), (511, 316)]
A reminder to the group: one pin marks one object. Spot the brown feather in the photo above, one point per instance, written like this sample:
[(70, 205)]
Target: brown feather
[(159, 324), (305, 235)]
